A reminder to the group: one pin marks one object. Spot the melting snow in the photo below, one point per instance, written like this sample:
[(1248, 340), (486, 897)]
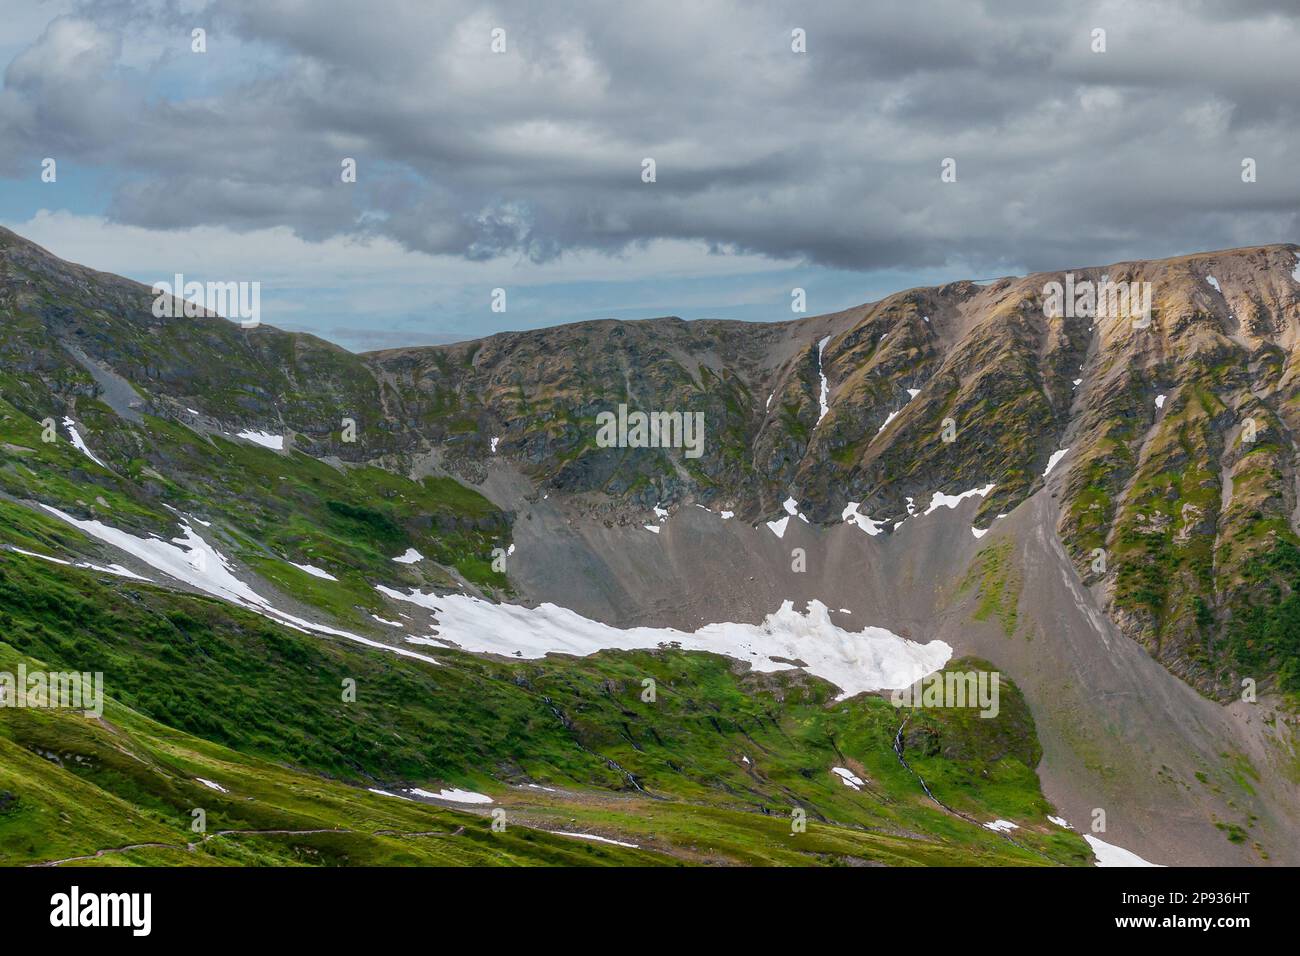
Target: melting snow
[(410, 557), (824, 398), (1110, 855), (1214, 282), (1160, 401), (911, 394), (1051, 462), (190, 559), (110, 569), (728, 514), (870, 659), (454, 795), (661, 513), (940, 500), (592, 836), (385, 793), (314, 572), (78, 444), (212, 786), (1001, 826), (870, 525), (1058, 821), (849, 778), (494, 444), (389, 623), (265, 439), (117, 569)]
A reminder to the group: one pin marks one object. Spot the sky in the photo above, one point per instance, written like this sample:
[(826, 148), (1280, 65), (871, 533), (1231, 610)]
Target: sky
[(504, 146)]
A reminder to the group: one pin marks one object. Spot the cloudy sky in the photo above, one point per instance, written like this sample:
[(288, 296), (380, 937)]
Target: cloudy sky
[(522, 169)]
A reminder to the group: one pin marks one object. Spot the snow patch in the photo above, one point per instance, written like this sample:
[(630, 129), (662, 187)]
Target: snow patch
[(1060, 822), (978, 532), (778, 527), (455, 795), (314, 572), (824, 398), (265, 439), (212, 786), (117, 569), (1051, 462), (1160, 401), (848, 777), (78, 444), (1001, 826), (856, 662), (190, 559), (43, 557), (409, 557), (870, 525), (654, 528), (592, 836), (1215, 283), (940, 500), (1108, 854), (494, 444)]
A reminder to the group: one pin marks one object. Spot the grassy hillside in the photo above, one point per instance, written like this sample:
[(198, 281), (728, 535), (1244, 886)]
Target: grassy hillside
[(710, 771)]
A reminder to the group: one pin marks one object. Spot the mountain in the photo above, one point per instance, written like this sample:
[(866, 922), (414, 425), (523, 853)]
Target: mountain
[(1100, 509)]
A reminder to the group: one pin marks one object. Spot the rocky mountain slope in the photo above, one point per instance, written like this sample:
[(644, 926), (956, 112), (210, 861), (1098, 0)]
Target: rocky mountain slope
[(1183, 523), (1043, 492)]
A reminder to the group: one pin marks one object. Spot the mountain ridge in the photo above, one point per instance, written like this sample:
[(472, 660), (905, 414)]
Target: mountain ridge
[(481, 459), (1013, 385)]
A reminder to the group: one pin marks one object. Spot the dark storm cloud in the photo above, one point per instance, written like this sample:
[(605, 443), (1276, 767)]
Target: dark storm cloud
[(1064, 156)]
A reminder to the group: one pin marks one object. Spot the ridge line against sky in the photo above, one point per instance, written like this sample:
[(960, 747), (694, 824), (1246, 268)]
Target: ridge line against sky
[(522, 168)]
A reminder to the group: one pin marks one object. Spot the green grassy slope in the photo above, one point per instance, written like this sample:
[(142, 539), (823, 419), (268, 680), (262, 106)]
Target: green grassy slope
[(710, 771)]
